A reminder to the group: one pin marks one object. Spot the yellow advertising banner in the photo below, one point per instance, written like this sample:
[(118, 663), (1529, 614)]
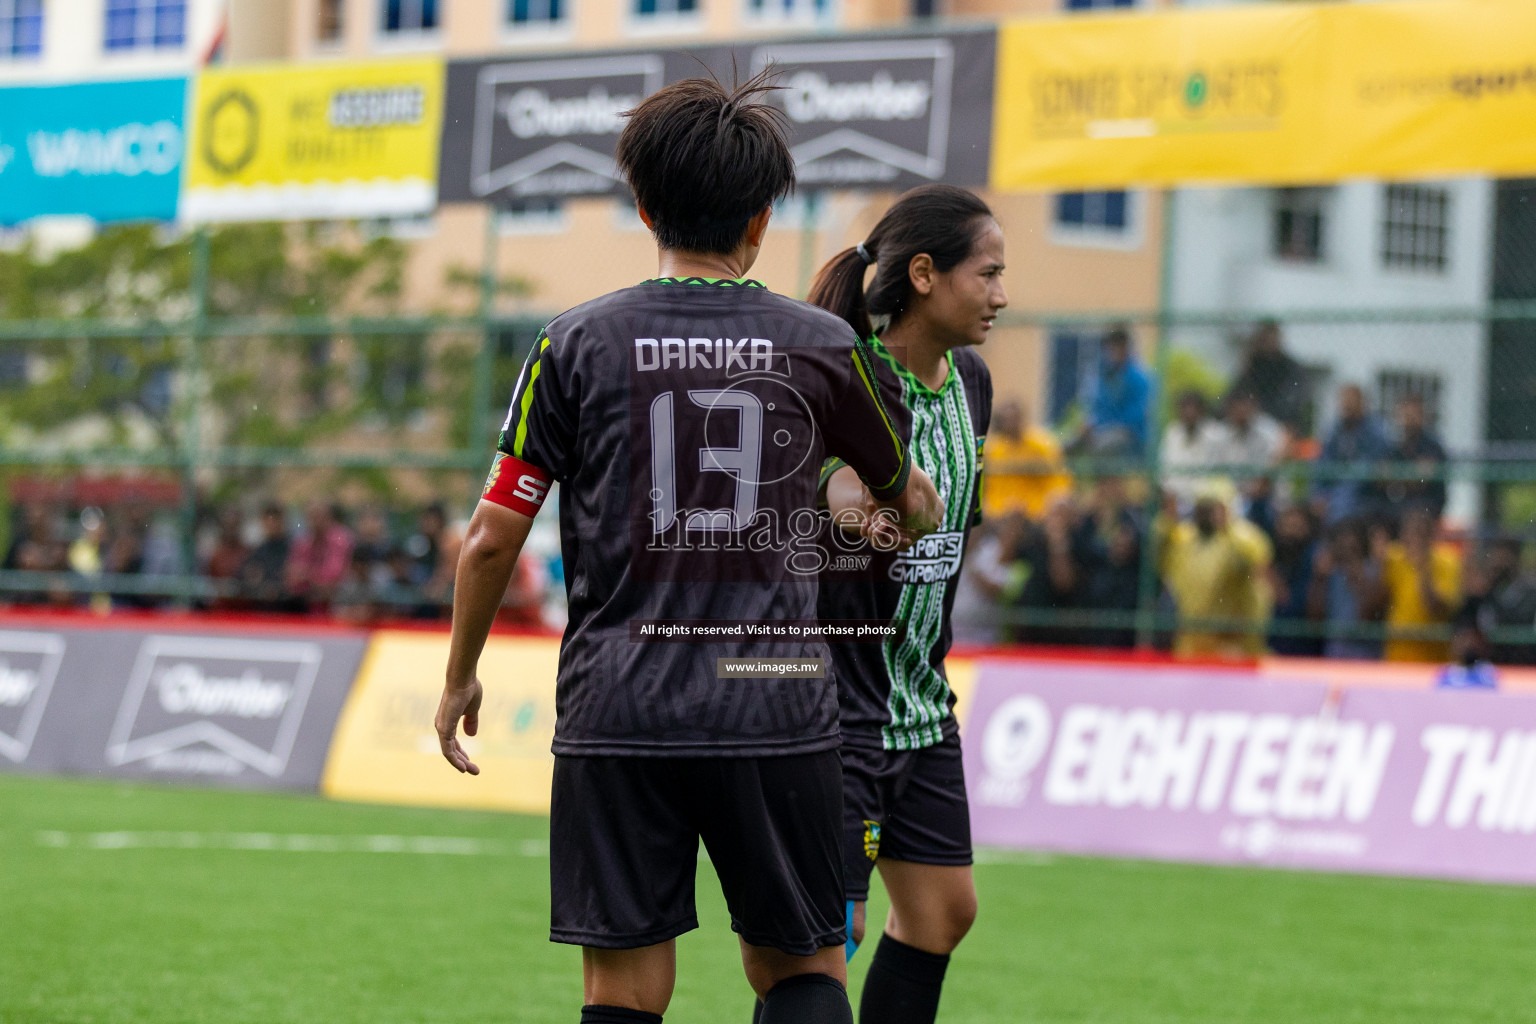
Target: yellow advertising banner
[(1267, 94), (1111, 100), (1431, 87), (314, 140), (385, 749)]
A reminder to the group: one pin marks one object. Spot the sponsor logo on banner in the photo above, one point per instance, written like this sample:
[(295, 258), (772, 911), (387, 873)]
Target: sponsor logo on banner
[(29, 665), (317, 140), (866, 112), (548, 128), (1223, 767), (214, 706), (107, 150)]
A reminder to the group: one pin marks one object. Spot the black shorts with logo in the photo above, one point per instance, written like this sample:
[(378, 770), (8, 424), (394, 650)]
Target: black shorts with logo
[(624, 841), (907, 805)]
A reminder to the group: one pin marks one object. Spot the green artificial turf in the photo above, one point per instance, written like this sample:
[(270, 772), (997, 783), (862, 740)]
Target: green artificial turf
[(227, 936)]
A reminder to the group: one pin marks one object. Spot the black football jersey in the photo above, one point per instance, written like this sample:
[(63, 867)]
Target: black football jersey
[(687, 422), (894, 694)]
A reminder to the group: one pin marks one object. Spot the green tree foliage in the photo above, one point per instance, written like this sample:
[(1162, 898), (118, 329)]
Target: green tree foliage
[(113, 338)]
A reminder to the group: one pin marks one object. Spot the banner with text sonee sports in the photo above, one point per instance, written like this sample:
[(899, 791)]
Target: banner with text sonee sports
[(315, 140), (885, 111), (1208, 766), (1267, 94), (108, 150)]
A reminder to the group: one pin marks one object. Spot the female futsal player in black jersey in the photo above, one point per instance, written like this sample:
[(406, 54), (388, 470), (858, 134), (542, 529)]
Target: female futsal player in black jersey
[(936, 288)]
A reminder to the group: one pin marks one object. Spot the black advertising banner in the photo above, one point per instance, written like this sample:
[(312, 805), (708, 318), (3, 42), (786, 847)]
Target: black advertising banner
[(241, 710), (886, 111)]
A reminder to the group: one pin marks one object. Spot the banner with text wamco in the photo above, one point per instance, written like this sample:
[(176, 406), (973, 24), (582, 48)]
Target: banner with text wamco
[(1226, 767), (882, 111)]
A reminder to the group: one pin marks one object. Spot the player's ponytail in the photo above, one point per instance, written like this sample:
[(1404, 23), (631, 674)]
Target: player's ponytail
[(939, 220), (839, 288)]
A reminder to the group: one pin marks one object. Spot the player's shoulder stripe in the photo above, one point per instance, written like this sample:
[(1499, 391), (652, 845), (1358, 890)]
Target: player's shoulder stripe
[(541, 348)]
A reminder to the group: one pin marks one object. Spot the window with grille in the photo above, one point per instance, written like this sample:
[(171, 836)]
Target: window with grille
[(535, 13), (21, 28), (788, 10), (664, 8), (145, 24), (329, 21), (1074, 364), (1415, 229), (1103, 211), (1393, 386), (1101, 219), (1299, 221), (406, 16)]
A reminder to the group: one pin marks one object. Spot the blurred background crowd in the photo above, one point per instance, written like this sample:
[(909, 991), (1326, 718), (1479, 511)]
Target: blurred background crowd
[(1240, 533)]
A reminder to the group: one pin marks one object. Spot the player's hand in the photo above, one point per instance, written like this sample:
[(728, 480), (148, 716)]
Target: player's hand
[(919, 511), (458, 702)]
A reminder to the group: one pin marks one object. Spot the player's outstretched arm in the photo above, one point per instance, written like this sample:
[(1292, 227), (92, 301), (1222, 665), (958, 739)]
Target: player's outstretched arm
[(491, 546)]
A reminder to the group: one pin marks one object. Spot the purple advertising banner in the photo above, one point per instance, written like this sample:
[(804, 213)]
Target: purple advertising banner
[(1225, 767)]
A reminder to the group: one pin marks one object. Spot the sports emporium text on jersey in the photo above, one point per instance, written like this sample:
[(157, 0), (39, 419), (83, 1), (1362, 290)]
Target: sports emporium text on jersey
[(933, 558)]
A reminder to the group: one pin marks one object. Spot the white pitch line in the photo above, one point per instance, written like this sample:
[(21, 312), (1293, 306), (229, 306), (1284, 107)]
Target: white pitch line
[(279, 842)]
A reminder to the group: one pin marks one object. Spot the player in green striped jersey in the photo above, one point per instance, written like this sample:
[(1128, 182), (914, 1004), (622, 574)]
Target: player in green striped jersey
[(937, 287)]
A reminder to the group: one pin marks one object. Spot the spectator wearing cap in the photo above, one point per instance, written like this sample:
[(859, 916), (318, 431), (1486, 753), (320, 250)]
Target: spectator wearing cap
[(1215, 568)]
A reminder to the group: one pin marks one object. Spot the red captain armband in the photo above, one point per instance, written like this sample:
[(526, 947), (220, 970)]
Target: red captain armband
[(516, 485)]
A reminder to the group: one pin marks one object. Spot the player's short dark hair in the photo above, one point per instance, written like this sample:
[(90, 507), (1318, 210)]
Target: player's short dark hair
[(702, 161), (942, 221)]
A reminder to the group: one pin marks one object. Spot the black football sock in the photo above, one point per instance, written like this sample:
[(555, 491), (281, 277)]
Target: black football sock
[(903, 985), (617, 1015), (757, 1012), (807, 999)]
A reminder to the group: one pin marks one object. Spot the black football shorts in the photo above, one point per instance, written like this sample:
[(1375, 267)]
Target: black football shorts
[(624, 838), (904, 805)]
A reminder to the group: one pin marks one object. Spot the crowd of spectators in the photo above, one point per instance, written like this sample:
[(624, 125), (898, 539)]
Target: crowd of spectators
[(1232, 553), (364, 564), (1244, 553)]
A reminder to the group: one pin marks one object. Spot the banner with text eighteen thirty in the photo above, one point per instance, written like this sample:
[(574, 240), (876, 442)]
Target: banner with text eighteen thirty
[(322, 141), (1222, 767), (1300, 93)]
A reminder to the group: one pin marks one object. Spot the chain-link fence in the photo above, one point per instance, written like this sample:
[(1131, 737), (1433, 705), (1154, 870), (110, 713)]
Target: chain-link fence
[(1350, 481)]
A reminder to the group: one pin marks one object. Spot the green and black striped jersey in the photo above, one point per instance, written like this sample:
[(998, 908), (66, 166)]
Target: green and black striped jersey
[(895, 694)]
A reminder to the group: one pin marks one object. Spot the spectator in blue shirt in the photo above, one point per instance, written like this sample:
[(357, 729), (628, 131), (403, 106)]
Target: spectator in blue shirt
[(1470, 668), (1122, 393), (1357, 438)]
